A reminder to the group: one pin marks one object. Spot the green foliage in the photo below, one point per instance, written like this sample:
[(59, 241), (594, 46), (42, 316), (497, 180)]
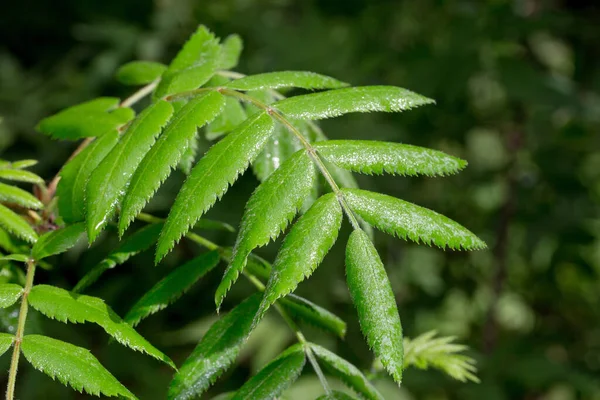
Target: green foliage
[(140, 72), (6, 341), (15, 195), (10, 293), (230, 51), (16, 225), (58, 241), (19, 175), (307, 311), (336, 395), (283, 79)]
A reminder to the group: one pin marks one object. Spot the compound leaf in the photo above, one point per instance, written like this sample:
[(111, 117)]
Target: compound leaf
[(231, 48), (58, 241), (304, 310), (9, 294), (15, 195), (16, 225), (6, 340), (283, 79), (140, 72), (375, 303)]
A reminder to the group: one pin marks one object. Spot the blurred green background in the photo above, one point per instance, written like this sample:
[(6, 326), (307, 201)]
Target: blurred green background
[(517, 85)]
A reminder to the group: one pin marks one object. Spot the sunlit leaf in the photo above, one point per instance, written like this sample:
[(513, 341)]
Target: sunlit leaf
[(58, 241), (18, 175), (16, 225), (6, 341), (317, 316), (282, 79), (231, 48), (10, 293), (140, 72), (12, 194)]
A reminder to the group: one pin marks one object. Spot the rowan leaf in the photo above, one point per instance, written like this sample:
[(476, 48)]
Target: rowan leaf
[(409, 221), (16, 225), (18, 175), (284, 79), (71, 307), (6, 341), (336, 395), (275, 377), (108, 182), (303, 249), (15, 257), (75, 175), (268, 212), (334, 103), (15, 195), (212, 176), (166, 153), (375, 157), (171, 287), (346, 372), (232, 116), (90, 119), (20, 164), (10, 293), (136, 73), (375, 303), (58, 241), (73, 366), (216, 351), (231, 48), (307, 311)]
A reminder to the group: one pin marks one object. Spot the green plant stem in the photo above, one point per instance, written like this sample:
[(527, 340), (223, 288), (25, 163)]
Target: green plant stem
[(14, 365)]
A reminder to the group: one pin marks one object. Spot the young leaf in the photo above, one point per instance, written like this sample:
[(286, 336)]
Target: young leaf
[(304, 248), (75, 175), (89, 119), (409, 221), (307, 311), (23, 164), (375, 157), (73, 366), (109, 180), (211, 177), (166, 152), (347, 372), (134, 244), (270, 208), (374, 300), (6, 341), (140, 72), (188, 158), (70, 307), (193, 66), (57, 241), (9, 294), (16, 225), (230, 52), (171, 287), (19, 175), (216, 351), (274, 378), (337, 102), (15, 257), (233, 115), (336, 395), (12, 194), (283, 79)]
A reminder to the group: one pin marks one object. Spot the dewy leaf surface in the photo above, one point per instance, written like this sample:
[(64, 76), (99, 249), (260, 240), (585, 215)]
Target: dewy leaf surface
[(9, 294), (166, 153), (232, 116), (109, 180), (75, 174), (409, 221), (72, 366), (283, 79), (16, 225), (67, 306), (216, 351), (307, 311), (375, 157), (171, 287), (375, 303), (140, 72), (347, 373), (304, 248), (6, 341), (58, 241), (275, 377), (231, 48), (15, 195), (211, 177), (337, 102), (268, 212)]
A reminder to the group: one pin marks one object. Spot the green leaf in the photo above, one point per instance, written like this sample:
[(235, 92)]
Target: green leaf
[(336, 395), (93, 118), (19, 175), (304, 248), (275, 377), (317, 316), (268, 211), (73, 366), (171, 287), (213, 225), (233, 115), (374, 157), (67, 306), (15, 257), (283, 79), (9, 294), (409, 221), (108, 182), (16, 225), (134, 244), (216, 351), (140, 72), (211, 177), (188, 158), (75, 175), (337, 102), (23, 164), (166, 153), (58, 241), (6, 341), (346, 372), (12, 194), (374, 300), (230, 51), (193, 66)]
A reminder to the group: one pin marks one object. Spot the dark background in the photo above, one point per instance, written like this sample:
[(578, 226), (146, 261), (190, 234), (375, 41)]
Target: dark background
[(517, 85)]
